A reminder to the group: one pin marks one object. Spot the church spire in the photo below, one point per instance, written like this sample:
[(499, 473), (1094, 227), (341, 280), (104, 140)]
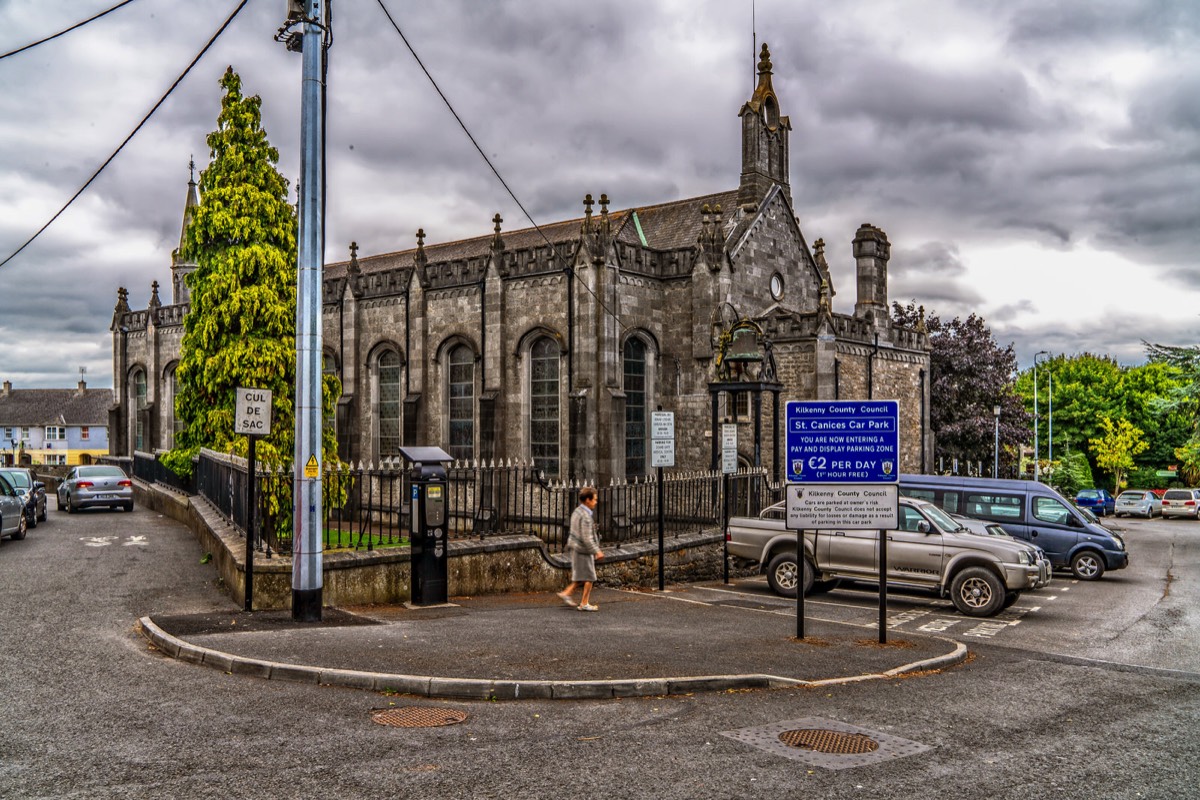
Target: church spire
[(765, 158), (182, 264)]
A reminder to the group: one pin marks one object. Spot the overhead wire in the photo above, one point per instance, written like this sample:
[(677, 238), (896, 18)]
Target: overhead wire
[(488, 161), (109, 160), (77, 25)]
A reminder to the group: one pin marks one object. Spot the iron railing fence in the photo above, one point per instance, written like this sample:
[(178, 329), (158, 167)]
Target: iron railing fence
[(148, 468), (370, 507)]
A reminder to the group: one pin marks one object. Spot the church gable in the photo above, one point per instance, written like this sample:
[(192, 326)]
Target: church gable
[(771, 260)]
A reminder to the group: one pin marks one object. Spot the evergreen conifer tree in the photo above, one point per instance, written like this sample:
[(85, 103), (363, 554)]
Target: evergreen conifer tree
[(241, 327)]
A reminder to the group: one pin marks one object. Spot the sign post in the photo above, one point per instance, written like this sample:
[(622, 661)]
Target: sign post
[(843, 472), (728, 467), (252, 417), (662, 454)]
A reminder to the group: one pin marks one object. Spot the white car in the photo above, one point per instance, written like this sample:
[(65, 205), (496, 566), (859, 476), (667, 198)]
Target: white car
[(1138, 503)]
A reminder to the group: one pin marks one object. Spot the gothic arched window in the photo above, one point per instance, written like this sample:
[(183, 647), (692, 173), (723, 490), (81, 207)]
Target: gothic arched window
[(461, 394), (544, 414)]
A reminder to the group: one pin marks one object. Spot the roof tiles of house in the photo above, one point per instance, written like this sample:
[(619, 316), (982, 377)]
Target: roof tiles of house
[(31, 408), (666, 226)]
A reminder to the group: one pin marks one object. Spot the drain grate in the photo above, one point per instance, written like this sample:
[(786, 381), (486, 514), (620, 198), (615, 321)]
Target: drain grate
[(826, 741), (417, 716)]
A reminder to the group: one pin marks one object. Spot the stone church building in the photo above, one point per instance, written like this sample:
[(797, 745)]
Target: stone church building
[(556, 343)]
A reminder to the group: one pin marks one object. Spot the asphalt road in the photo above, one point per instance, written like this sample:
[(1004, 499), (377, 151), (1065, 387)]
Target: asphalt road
[(1094, 694)]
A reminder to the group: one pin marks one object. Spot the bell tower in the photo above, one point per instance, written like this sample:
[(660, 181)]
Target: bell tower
[(765, 159)]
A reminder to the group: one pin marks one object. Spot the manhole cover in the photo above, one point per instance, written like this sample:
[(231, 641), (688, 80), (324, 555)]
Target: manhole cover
[(417, 716), (825, 741)]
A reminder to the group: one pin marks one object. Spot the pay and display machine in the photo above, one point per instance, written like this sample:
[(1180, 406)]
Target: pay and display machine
[(430, 571)]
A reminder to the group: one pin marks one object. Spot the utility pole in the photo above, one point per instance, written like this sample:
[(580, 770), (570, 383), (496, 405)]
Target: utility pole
[(307, 512)]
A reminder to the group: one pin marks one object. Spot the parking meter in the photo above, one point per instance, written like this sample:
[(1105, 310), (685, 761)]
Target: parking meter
[(427, 531)]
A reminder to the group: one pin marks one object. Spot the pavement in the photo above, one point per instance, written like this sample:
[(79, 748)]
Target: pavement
[(520, 646)]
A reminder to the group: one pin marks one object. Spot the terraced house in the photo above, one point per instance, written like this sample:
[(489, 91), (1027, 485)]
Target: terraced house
[(556, 344), (53, 427)]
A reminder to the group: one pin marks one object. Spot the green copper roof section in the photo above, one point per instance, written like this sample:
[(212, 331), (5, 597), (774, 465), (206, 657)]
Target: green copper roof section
[(638, 224)]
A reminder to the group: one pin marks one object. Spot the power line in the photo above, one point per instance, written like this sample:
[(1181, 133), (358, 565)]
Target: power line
[(487, 160), (68, 30), (108, 160)]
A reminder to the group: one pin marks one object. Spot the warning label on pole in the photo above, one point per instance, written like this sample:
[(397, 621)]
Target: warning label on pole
[(312, 469)]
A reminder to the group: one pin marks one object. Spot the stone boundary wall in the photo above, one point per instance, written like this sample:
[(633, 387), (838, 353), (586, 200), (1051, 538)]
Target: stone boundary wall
[(494, 565)]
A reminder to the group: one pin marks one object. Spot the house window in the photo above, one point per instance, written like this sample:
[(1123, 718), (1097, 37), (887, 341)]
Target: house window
[(139, 405), (388, 371), (8, 434), (635, 408), (85, 433), (55, 459), (55, 433), (737, 406), (462, 403), (176, 422), (543, 405)]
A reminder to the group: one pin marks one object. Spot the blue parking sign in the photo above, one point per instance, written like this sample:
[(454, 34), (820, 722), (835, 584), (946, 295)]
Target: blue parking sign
[(843, 441)]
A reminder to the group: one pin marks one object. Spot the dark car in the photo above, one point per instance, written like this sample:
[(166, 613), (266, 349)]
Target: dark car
[(1098, 501), (13, 521), (92, 486), (32, 491)]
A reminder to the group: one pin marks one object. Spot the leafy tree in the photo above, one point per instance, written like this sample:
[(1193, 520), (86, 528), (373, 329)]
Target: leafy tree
[(1183, 399), (1118, 443), (241, 327), (1086, 387), (969, 376), (1070, 473)]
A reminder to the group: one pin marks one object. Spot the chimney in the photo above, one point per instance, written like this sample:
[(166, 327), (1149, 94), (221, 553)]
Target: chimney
[(80, 388), (7, 389)]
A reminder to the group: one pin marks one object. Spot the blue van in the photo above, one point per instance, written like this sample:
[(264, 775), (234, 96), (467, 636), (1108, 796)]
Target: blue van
[(1027, 510)]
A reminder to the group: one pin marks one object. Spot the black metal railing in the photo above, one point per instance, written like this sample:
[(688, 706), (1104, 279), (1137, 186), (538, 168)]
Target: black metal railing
[(147, 468), (369, 507)]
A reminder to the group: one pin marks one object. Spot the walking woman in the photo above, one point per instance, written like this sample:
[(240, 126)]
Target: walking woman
[(584, 550)]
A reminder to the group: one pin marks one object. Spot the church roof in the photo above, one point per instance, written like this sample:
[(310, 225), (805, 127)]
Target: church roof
[(666, 226), (38, 407)]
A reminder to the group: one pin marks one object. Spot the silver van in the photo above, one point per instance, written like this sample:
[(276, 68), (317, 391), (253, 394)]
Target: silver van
[(1028, 510)]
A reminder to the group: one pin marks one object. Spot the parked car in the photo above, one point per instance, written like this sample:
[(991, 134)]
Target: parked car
[(32, 491), (981, 528), (1138, 503), (1030, 511), (1181, 503), (982, 574), (13, 521), (91, 486), (1098, 500)]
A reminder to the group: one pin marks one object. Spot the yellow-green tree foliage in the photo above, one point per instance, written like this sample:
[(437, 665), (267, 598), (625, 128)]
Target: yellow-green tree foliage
[(1119, 442), (241, 327)]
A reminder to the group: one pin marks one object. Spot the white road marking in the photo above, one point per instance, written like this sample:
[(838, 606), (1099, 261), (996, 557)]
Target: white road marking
[(98, 541)]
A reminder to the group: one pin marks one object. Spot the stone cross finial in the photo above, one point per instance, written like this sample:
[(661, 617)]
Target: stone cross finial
[(764, 60), (587, 206), (497, 220), (420, 239), (604, 205), (191, 169)]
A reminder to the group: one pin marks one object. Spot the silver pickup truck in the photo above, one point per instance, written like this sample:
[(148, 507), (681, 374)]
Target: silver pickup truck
[(981, 574)]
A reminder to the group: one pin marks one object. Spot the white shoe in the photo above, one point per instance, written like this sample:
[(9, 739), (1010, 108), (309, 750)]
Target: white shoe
[(589, 607)]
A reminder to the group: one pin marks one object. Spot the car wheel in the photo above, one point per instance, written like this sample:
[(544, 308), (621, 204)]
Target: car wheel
[(128, 506), (977, 592), (32, 517), (1010, 598), (71, 508), (1088, 565), (22, 528), (781, 575), (42, 516)]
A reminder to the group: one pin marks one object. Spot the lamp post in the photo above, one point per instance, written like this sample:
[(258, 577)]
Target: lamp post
[(996, 447), (1050, 417), (1037, 472)]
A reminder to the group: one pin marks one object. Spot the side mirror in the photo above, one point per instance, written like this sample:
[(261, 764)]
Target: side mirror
[(922, 527), (39, 485), (1074, 521)]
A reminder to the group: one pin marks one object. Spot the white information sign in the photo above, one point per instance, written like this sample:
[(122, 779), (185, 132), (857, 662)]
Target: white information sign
[(252, 412), (662, 452), (828, 506), (729, 463), (662, 424)]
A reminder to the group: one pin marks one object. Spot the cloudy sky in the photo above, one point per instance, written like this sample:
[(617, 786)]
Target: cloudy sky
[(1036, 162)]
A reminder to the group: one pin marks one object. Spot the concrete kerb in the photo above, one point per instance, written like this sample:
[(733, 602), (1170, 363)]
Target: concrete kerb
[(482, 689)]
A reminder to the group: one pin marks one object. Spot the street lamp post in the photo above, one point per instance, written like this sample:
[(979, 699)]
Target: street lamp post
[(996, 447), (1037, 472), (1050, 418)]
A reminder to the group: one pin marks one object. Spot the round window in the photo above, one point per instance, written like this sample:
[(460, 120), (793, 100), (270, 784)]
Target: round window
[(777, 286)]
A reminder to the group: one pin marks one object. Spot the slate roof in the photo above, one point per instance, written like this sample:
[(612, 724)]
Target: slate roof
[(34, 408), (666, 226)]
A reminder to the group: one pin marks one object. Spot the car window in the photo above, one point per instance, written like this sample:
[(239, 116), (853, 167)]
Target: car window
[(1178, 494), (1089, 494), (6, 487), (100, 472), (910, 519), (1047, 509), (18, 479), (1131, 496), (993, 506), (940, 518)]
